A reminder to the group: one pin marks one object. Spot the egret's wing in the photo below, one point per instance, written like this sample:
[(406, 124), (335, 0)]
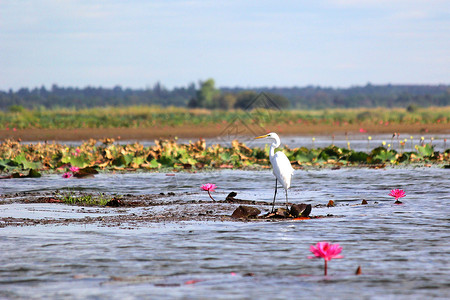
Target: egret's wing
[(282, 169)]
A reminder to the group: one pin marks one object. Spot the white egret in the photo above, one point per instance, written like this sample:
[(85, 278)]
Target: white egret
[(281, 166)]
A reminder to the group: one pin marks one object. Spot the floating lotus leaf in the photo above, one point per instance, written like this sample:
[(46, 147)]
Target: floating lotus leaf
[(5, 164), (121, 161), (102, 164), (75, 161), (22, 160), (14, 155), (225, 156), (323, 156), (137, 161), (259, 153), (426, 150), (107, 153), (404, 157), (154, 164), (378, 150), (128, 158), (303, 157), (332, 151), (189, 160), (166, 160), (34, 174), (385, 156), (360, 157)]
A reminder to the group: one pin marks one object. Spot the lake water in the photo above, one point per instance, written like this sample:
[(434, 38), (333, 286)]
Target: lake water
[(357, 142), (403, 250)]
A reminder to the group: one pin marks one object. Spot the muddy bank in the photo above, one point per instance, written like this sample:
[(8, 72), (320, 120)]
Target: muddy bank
[(211, 131), (133, 211)]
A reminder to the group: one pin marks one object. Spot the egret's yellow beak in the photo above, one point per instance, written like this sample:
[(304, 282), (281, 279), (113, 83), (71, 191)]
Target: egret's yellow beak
[(261, 137)]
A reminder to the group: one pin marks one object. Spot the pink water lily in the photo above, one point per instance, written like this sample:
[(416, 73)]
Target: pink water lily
[(74, 169), (327, 251), (67, 175), (77, 152), (209, 187), (397, 194)]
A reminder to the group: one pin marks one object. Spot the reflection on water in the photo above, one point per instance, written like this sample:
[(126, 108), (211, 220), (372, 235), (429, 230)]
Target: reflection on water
[(403, 249)]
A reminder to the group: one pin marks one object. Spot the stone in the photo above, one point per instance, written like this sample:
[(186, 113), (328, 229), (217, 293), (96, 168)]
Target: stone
[(244, 212), (230, 197), (281, 213), (114, 203), (87, 172), (301, 210)]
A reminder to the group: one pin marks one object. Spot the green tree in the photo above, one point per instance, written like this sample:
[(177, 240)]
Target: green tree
[(207, 94), (227, 101), (16, 108), (244, 99)]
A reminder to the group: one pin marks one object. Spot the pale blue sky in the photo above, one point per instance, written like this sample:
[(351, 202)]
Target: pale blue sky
[(134, 44)]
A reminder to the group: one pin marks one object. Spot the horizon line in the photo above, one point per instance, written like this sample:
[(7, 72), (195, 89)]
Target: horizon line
[(148, 87)]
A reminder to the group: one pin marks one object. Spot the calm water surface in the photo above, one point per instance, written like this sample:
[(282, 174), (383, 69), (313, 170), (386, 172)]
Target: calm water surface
[(403, 250), (357, 142)]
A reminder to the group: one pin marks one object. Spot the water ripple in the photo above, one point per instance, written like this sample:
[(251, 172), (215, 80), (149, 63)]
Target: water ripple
[(403, 249)]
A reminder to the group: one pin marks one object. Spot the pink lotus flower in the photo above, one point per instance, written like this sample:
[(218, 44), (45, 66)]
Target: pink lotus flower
[(67, 175), (74, 169), (77, 152), (327, 251), (396, 193), (209, 187)]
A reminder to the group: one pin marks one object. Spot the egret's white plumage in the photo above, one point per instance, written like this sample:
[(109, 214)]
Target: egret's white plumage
[(281, 166)]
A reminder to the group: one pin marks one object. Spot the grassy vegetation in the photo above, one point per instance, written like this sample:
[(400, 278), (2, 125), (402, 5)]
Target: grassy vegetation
[(168, 155), (151, 116), (70, 197)]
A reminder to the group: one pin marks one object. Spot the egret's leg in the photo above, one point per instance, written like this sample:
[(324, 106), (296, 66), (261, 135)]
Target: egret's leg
[(274, 196), (287, 205)]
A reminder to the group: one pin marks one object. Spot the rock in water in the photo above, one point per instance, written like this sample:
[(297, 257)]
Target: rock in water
[(85, 172), (281, 212), (231, 196), (307, 211), (301, 210), (245, 212), (114, 203)]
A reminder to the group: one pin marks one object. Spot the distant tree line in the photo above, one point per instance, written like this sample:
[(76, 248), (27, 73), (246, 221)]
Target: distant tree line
[(95, 97), (311, 97), (206, 95)]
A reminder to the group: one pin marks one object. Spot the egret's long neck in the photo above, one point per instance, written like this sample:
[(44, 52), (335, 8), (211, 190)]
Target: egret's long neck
[(274, 146)]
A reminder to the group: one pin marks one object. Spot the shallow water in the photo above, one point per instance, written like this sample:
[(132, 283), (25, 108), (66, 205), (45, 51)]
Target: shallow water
[(356, 142), (403, 250)]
